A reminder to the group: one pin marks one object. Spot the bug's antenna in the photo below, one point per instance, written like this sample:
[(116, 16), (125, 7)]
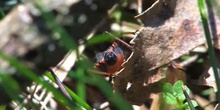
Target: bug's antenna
[(133, 33), (119, 40), (110, 34)]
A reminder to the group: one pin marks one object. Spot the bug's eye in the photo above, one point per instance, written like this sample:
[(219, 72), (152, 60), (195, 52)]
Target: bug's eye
[(110, 58)]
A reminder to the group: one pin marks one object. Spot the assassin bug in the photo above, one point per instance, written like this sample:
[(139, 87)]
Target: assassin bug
[(111, 60)]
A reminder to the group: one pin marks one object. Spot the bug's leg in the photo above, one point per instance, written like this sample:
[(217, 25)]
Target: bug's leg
[(111, 76), (99, 73), (123, 43), (130, 32)]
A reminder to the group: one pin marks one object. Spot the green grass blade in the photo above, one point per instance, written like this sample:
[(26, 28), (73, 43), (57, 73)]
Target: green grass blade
[(188, 98), (98, 39), (75, 97), (32, 76), (80, 85), (2, 107), (10, 86), (106, 89), (208, 36), (78, 100), (1, 14)]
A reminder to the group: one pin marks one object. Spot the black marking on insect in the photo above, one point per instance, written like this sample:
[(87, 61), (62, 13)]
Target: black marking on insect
[(110, 61)]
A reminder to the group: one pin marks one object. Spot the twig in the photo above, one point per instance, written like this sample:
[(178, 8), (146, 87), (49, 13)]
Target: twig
[(137, 16)]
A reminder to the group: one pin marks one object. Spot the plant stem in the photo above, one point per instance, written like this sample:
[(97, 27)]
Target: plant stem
[(211, 51)]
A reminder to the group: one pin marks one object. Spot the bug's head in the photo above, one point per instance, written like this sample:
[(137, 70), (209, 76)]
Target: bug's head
[(105, 59), (110, 58)]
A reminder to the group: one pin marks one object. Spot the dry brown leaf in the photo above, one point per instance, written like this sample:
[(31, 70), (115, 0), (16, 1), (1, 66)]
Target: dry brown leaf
[(172, 28), (174, 73)]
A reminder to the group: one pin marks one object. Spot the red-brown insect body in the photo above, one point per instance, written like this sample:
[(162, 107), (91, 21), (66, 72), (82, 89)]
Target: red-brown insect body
[(110, 61)]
